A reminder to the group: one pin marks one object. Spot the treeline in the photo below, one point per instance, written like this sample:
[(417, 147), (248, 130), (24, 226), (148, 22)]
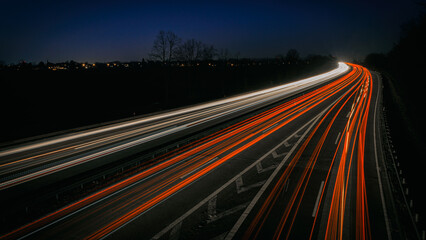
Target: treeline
[(403, 69), (169, 47)]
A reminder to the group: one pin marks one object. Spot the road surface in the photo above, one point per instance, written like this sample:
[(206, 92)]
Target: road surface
[(307, 168)]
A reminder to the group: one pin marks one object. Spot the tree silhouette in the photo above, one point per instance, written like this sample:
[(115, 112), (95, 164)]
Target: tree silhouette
[(190, 50), (292, 56), (165, 46), (208, 52), (173, 42), (159, 50), (169, 47), (223, 54)]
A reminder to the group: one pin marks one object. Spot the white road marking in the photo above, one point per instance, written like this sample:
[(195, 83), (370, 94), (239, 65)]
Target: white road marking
[(246, 188), (286, 144), (259, 167), (275, 155), (318, 198), (175, 232), (228, 212), (337, 139), (286, 185), (239, 183), (211, 207)]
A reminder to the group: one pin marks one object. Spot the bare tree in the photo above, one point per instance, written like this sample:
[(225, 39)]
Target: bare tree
[(292, 56), (173, 42), (223, 54), (165, 46), (209, 52), (190, 50), (160, 48)]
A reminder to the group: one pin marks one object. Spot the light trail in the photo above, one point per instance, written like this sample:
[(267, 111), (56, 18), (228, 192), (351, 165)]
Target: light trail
[(169, 124), (224, 146), (356, 127), (167, 175), (352, 150), (117, 223), (298, 85), (271, 200)]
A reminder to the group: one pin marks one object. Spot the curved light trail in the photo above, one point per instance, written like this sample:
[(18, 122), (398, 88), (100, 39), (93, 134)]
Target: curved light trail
[(123, 136), (276, 210)]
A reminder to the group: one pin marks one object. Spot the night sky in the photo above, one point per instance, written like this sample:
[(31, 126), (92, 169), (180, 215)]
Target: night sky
[(99, 31)]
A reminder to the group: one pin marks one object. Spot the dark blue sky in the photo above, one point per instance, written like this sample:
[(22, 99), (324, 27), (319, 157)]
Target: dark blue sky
[(125, 30)]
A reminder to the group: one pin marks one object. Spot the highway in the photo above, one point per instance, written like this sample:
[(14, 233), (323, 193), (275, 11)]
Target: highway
[(307, 167), (23, 163)]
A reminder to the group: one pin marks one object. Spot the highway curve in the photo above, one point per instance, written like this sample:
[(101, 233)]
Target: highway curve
[(307, 168)]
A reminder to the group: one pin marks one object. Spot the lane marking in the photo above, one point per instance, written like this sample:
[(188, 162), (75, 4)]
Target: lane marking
[(286, 144), (254, 185), (275, 155), (239, 183), (259, 167), (287, 184), (228, 212), (211, 207), (337, 139), (318, 198), (175, 232), (262, 170)]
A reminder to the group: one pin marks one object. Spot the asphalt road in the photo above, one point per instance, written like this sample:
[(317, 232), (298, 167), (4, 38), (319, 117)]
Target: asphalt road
[(310, 167)]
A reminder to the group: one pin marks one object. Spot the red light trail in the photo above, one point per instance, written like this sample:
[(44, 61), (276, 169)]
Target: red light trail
[(169, 174)]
